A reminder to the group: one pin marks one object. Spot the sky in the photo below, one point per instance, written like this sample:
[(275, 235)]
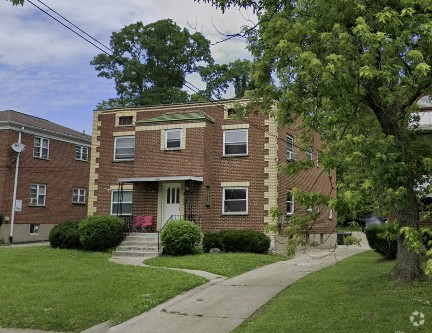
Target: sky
[(45, 69)]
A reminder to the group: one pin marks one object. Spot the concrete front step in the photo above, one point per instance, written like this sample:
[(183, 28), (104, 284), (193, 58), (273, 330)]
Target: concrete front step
[(143, 254), (138, 238), (141, 247), (139, 243)]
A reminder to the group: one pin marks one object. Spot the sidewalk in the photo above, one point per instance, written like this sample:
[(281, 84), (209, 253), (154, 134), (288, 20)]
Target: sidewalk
[(222, 304)]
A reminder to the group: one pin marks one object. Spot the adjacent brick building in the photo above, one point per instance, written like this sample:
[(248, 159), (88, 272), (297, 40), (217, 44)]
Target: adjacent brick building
[(197, 161), (53, 175)]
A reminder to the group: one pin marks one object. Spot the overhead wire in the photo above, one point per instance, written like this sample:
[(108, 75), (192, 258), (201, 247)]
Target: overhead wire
[(109, 52)]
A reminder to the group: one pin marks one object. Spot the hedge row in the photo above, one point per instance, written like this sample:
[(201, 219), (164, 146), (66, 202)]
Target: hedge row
[(237, 241), (96, 233)]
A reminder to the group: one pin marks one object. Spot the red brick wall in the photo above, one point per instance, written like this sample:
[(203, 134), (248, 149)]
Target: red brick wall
[(203, 156), (60, 173), (314, 179)]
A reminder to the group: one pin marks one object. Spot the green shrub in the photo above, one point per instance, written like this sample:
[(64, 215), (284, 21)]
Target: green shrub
[(245, 241), (65, 235), (382, 238), (180, 238), (101, 232), (426, 234), (212, 240)]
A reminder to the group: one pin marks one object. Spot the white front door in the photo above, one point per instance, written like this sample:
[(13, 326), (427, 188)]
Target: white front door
[(171, 201)]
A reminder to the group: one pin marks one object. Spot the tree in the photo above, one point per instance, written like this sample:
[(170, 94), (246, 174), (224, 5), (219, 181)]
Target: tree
[(353, 70), (218, 78), (17, 2), (150, 62)]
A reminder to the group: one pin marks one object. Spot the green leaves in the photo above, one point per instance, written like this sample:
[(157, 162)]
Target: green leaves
[(150, 62)]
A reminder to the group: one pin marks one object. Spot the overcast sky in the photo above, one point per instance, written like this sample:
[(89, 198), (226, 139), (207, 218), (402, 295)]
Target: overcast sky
[(45, 70)]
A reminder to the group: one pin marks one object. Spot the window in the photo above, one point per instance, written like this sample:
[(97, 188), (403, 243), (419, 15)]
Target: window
[(330, 214), (34, 228), (37, 194), (291, 155), (125, 120), (235, 200), (173, 195), (290, 202), (121, 202), (41, 148), (235, 142), (173, 139), (309, 154), (124, 148), (231, 113), (81, 153), (78, 195)]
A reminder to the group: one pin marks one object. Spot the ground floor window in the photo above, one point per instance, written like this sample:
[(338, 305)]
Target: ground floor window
[(121, 202), (78, 195), (235, 200), (290, 202), (37, 194)]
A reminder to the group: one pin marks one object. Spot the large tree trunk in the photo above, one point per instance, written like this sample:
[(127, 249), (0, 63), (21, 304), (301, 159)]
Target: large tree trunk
[(408, 263)]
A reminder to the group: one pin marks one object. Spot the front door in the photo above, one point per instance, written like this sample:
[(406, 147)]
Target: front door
[(171, 201)]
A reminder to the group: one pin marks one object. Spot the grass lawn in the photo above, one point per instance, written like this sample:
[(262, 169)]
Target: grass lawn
[(356, 295), (69, 290), (226, 264)]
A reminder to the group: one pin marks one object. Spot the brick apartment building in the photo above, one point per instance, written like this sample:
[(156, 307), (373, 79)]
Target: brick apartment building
[(53, 176), (197, 161)]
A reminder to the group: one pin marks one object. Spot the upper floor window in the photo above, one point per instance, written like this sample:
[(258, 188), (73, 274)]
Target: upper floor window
[(124, 148), (330, 214), (37, 194), (173, 139), (235, 142), (291, 155), (81, 153), (78, 195), (125, 120), (290, 202), (235, 200), (41, 147), (121, 202), (309, 154)]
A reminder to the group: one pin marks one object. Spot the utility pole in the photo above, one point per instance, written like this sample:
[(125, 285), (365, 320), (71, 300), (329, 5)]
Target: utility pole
[(18, 147)]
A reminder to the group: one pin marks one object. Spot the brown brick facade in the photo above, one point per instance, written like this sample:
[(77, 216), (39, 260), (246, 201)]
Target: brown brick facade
[(60, 173), (201, 160)]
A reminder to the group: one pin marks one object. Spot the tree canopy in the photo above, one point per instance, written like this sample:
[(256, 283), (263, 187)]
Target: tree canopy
[(150, 62), (353, 70)]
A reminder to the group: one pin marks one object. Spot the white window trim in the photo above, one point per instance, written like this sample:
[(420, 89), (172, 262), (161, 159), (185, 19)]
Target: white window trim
[(81, 153), (247, 200), (37, 195), (247, 141), (115, 148), (81, 192), (112, 202), (292, 203), (40, 147), (166, 139)]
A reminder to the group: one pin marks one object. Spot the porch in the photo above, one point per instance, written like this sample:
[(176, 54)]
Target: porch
[(164, 199)]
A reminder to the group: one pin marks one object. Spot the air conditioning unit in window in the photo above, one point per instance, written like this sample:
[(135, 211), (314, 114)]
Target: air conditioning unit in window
[(292, 156)]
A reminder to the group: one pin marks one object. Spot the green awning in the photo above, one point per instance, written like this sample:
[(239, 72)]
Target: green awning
[(191, 116)]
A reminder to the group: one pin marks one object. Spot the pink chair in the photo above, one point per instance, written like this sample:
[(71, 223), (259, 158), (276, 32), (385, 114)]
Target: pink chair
[(147, 223), (139, 221)]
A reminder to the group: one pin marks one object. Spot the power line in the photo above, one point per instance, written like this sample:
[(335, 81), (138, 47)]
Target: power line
[(187, 84)]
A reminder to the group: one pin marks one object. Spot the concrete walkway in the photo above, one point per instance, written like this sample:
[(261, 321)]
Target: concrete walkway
[(222, 304)]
